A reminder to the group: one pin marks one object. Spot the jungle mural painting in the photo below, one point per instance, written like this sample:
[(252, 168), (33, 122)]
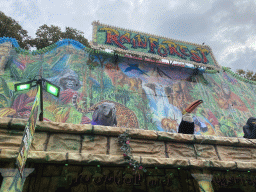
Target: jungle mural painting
[(142, 94)]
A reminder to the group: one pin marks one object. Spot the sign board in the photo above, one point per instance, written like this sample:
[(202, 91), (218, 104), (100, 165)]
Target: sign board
[(28, 135), (147, 45)]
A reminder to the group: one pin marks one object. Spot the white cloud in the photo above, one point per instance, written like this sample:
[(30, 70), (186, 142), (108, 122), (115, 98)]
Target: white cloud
[(232, 50), (68, 3), (218, 16), (251, 42), (173, 3)]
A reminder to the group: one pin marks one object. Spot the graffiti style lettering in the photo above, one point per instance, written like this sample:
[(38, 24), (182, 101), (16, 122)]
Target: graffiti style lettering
[(128, 181), (183, 50), (134, 43), (169, 181), (152, 44), (158, 46), (195, 57), (98, 180), (153, 183), (85, 179), (109, 179), (172, 48), (118, 178), (162, 47), (140, 42), (112, 38), (203, 52), (125, 38), (137, 179)]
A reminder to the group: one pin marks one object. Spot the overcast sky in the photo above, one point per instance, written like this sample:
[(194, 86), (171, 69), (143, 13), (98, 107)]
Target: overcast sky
[(227, 26)]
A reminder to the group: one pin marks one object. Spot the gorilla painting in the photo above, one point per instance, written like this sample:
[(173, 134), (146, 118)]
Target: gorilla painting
[(250, 128), (67, 79), (104, 114)]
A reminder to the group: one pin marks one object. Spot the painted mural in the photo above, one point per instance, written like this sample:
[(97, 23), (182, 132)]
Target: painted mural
[(134, 93)]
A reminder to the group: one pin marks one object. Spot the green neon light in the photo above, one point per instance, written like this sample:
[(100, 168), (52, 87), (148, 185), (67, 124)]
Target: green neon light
[(23, 87), (52, 89)]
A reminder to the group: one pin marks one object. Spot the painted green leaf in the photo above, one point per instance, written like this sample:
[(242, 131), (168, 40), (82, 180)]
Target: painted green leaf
[(31, 71), (2, 97), (9, 63), (5, 87), (14, 73)]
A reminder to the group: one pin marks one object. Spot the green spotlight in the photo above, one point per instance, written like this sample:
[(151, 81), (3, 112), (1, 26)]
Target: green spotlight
[(22, 86), (52, 89)]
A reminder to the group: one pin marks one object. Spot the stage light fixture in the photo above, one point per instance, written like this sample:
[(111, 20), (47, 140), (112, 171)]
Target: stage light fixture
[(52, 89), (22, 86)]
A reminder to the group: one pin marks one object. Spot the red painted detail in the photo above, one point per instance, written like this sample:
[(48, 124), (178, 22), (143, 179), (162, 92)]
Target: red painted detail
[(195, 57), (113, 39)]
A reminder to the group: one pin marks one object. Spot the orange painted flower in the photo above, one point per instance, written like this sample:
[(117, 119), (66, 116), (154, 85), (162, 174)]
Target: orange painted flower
[(24, 59)]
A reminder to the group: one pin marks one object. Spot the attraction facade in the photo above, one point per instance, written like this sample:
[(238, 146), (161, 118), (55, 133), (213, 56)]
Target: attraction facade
[(148, 94)]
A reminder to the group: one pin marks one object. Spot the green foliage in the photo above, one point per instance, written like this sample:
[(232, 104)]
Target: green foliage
[(78, 65), (211, 71), (48, 113), (14, 73), (74, 116), (11, 28), (31, 70), (124, 140), (92, 63), (71, 33), (47, 73), (5, 87), (250, 75), (8, 96), (241, 75), (48, 35), (3, 101)]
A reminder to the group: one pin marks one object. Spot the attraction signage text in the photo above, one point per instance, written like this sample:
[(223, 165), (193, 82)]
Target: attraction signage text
[(127, 41), (28, 135)]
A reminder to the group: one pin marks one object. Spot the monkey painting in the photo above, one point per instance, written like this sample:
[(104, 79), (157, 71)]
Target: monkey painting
[(67, 79), (250, 128), (226, 98)]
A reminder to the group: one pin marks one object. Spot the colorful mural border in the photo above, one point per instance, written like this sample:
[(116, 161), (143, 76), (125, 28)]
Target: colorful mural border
[(114, 38)]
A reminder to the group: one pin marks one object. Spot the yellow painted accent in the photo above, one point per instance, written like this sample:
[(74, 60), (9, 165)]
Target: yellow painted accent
[(170, 43), (109, 30)]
